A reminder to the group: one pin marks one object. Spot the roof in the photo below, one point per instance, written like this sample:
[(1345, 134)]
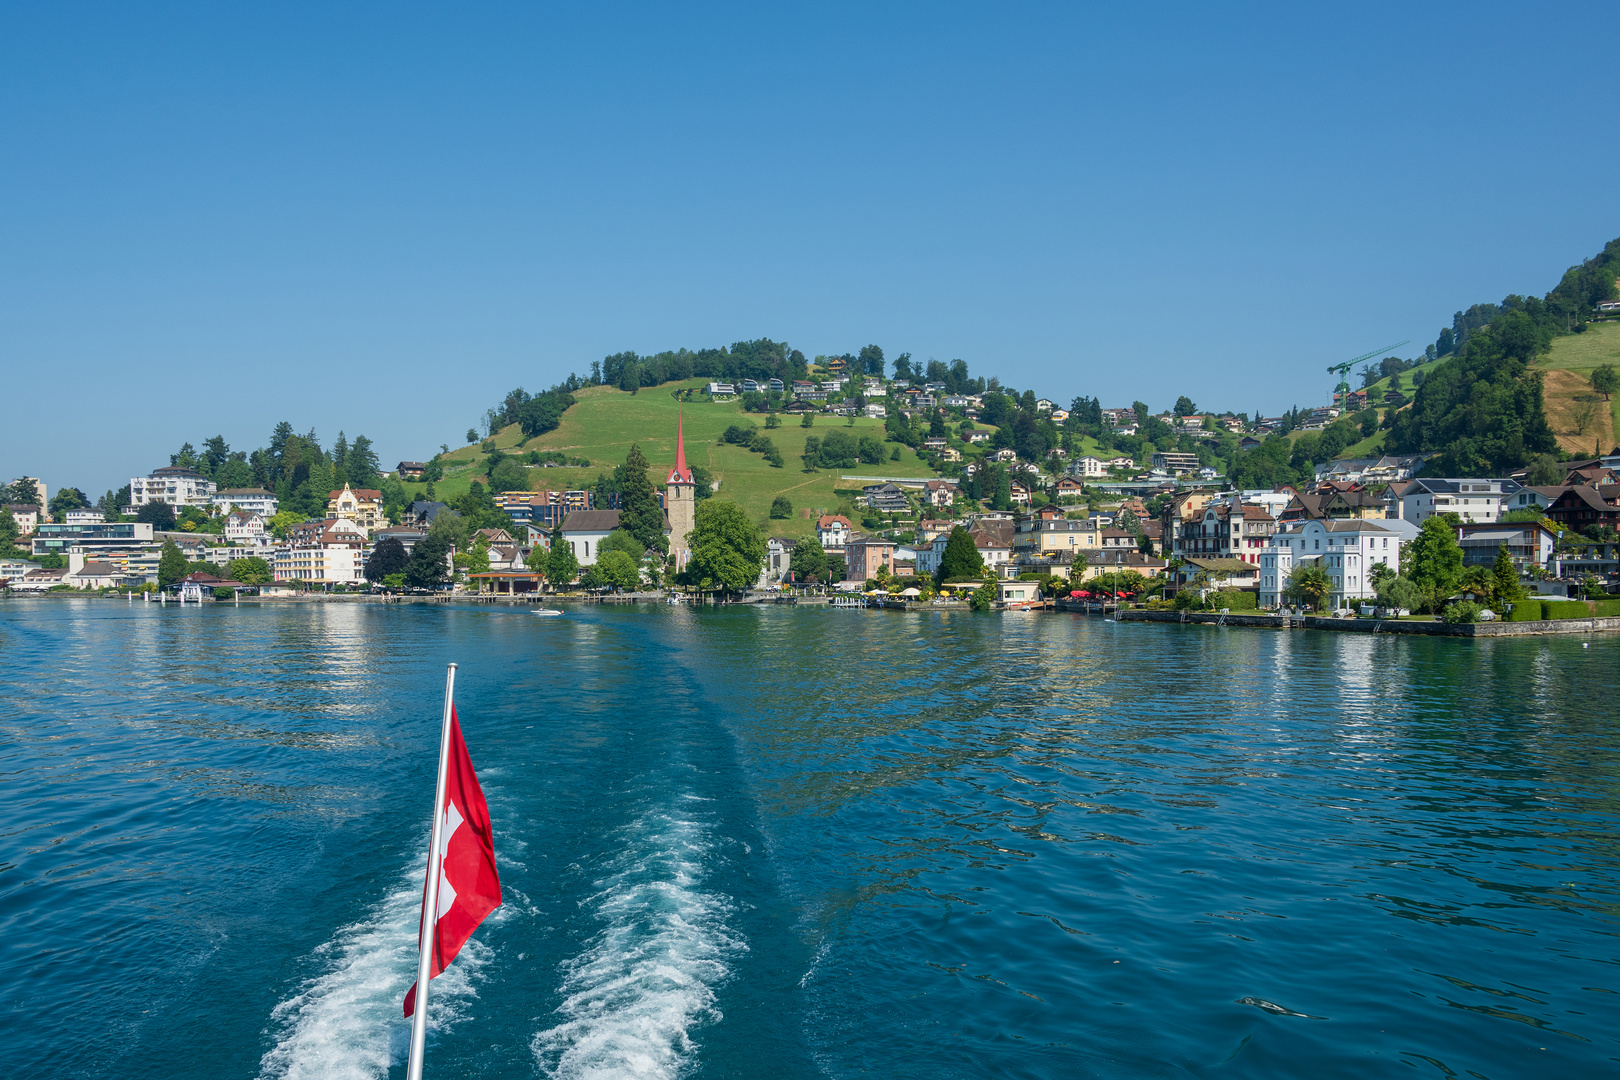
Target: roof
[(22, 508), (1225, 566), (591, 521), (97, 569), (259, 491), (178, 472), (681, 473), (370, 494), (827, 521)]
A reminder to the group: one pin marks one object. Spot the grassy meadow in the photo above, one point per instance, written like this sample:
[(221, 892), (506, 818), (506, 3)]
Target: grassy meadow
[(605, 421), (1568, 367)]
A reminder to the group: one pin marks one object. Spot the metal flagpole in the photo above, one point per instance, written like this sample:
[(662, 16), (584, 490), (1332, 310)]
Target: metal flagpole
[(430, 902)]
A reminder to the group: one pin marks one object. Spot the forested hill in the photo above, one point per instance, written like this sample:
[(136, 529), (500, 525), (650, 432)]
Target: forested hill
[(1483, 413)]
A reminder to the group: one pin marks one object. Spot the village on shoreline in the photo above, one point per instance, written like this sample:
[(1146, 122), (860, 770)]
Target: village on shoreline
[(1367, 539)]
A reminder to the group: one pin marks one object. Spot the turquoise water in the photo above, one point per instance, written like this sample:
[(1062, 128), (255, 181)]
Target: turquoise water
[(740, 842)]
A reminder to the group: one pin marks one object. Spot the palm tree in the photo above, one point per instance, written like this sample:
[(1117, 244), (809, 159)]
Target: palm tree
[(1309, 582)]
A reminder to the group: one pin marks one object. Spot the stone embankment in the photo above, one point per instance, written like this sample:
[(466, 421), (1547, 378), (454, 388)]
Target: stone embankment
[(1376, 626)]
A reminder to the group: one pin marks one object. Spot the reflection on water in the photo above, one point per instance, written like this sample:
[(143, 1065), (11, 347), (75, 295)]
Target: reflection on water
[(778, 842)]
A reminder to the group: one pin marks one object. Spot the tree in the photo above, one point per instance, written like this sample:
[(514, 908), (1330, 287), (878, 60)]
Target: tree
[(622, 541), (1436, 561), (1003, 491), (1545, 471), (472, 435), (561, 565), (388, 557), (961, 560), (250, 571), (1398, 593), (428, 567), (809, 561), (614, 570), (1309, 583), (812, 452), (1508, 588), (727, 549), (639, 512), (171, 564), (983, 598), (8, 535), (1606, 380), (807, 421), (282, 521), (781, 507), (159, 515), (1185, 406), (772, 420), (68, 498)]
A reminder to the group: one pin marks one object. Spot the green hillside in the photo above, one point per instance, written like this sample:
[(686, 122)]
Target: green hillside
[(605, 421)]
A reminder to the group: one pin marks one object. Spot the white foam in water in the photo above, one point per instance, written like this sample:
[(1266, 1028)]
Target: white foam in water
[(347, 1024), (649, 977)]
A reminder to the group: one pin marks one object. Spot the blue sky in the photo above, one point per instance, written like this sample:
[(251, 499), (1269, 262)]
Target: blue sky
[(380, 218)]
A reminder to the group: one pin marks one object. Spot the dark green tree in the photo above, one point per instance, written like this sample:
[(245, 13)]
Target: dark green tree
[(809, 561), (961, 560), (1606, 380), (388, 557), (781, 507), (812, 453), (68, 498), (639, 512), (1185, 406), (159, 515), (1506, 586), (171, 564), (429, 566)]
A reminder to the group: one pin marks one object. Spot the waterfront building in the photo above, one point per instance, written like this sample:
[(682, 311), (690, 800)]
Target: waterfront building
[(866, 555), (1346, 550), (246, 528), (1231, 530), (326, 552), (778, 558), (833, 530)]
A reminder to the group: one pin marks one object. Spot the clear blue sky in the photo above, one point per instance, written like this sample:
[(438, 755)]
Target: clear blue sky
[(381, 217)]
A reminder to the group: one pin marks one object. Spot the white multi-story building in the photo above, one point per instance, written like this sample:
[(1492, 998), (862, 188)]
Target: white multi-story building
[(1088, 466), (253, 500), (1346, 551), (173, 485), (87, 516), (336, 555), (1471, 500)]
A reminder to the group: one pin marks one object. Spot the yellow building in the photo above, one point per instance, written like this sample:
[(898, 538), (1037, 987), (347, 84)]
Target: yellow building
[(363, 507)]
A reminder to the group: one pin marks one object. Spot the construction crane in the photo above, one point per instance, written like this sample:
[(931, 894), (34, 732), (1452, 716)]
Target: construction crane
[(1343, 370)]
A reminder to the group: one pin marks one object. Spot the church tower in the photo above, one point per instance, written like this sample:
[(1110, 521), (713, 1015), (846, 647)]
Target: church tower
[(680, 502)]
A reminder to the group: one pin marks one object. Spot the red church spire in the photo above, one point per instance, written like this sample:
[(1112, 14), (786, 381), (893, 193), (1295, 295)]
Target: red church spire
[(680, 474)]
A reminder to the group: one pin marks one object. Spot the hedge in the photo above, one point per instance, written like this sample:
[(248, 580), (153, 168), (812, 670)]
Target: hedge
[(1234, 600), (1568, 609), (1527, 611), (1608, 609)]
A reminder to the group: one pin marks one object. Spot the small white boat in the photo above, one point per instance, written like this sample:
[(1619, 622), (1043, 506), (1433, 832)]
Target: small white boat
[(545, 611)]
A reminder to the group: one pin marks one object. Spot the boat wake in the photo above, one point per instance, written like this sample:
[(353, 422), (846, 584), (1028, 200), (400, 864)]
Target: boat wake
[(346, 1024), (647, 979)]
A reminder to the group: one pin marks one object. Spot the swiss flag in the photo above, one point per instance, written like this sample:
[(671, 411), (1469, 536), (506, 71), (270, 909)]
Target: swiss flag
[(469, 888)]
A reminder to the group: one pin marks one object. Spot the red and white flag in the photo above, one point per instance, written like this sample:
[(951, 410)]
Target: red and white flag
[(469, 888)]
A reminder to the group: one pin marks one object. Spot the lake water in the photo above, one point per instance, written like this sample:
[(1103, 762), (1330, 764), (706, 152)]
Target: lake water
[(766, 842)]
